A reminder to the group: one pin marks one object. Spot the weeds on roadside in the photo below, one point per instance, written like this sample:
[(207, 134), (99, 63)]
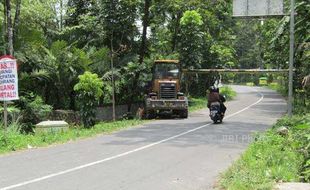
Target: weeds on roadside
[(273, 158), (13, 140), (197, 103), (228, 92)]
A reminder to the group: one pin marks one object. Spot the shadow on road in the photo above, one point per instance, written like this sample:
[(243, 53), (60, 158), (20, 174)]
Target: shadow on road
[(233, 132)]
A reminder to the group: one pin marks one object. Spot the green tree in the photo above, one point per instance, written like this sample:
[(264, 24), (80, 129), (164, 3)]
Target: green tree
[(191, 35), (119, 21), (82, 23), (89, 91), (191, 43), (52, 72)]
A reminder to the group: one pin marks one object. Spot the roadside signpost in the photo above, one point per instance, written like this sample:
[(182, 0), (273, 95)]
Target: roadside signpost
[(270, 8), (291, 67), (257, 8), (8, 83)]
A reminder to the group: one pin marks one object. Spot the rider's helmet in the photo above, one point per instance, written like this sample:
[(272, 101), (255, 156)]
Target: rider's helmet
[(214, 89)]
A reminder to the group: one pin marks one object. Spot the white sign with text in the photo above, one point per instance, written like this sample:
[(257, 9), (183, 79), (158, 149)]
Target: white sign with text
[(8, 79)]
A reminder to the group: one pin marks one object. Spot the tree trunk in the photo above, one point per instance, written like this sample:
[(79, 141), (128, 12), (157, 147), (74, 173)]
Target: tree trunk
[(143, 46), (9, 27), (144, 33), (16, 20), (176, 31), (4, 29), (61, 16), (72, 100)]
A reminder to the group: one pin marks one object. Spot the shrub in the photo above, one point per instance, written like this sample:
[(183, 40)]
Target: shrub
[(228, 92), (89, 91), (14, 129), (33, 110), (13, 114)]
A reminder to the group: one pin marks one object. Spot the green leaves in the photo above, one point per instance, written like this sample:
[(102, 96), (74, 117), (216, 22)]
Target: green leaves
[(225, 55), (33, 110), (89, 91), (59, 40), (191, 18), (191, 40), (90, 85)]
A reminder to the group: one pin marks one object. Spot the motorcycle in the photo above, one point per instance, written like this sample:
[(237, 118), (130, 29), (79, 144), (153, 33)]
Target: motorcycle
[(215, 112)]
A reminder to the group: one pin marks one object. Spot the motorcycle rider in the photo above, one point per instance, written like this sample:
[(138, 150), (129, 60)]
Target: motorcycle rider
[(215, 96)]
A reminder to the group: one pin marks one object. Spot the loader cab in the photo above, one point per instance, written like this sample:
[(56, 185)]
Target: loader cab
[(166, 70), (166, 78)]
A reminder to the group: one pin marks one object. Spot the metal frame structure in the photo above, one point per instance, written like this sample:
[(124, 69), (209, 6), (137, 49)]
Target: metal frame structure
[(246, 14), (206, 71)]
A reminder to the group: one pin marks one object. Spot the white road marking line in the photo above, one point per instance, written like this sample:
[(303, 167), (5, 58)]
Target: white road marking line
[(123, 154), (262, 97)]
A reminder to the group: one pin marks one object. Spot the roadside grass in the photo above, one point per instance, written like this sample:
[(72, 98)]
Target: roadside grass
[(228, 92), (250, 84), (13, 140), (277, 87), (273, 158), (197, 103)]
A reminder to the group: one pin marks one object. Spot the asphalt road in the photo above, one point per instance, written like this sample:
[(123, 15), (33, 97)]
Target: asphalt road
[(161, 155)]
